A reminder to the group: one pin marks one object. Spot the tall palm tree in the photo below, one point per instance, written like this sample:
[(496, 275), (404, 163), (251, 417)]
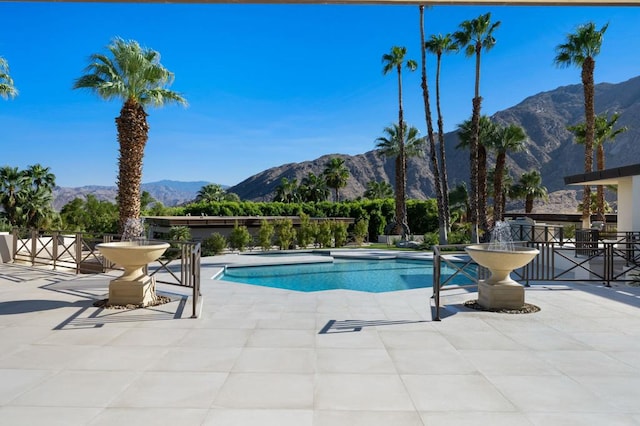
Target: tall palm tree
[(336, 174), (134, 75), (530, 187), (11, 182), (439, 45), (7, 88), (475, 36), (40, 177), (391, 146), (603, 131), (509, 138), (580, 49), (443, 221), (394, 60), (378, 190)]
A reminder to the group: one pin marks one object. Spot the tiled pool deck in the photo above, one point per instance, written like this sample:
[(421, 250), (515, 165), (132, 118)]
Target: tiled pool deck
[(261, 356)]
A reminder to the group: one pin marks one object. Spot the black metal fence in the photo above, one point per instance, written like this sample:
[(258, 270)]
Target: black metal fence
[(76, 251), (593, 256)]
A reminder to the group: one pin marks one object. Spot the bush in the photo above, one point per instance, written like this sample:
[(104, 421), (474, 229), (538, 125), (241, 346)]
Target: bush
[(285, 234), (213, 245), (239, 237), (306, 232), (360, 231), (339, 230), (325, 234), (179, 233), (265, 235), (430, 239)]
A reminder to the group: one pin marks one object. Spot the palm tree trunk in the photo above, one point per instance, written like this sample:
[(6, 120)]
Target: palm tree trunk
[(600, 188), (588, 86), (498, 193), (528, 204), (442, 223), (443, 161), (401, 209), (132, 136), (473, 154)]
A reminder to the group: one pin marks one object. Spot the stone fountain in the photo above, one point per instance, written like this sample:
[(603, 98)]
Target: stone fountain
[(501, 257), (134, 286)]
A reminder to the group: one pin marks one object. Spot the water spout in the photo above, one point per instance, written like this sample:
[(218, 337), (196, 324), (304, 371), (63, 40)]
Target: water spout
[(501, 239)]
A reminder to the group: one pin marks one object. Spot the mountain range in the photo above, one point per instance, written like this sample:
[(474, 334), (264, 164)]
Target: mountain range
[(550, 149)]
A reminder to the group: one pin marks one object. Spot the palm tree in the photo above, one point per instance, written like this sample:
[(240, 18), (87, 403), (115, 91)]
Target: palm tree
[(134, 75), (474, 36), (510, 138), (529, 187), (378, 190), (313, 188), (443, 222), (11, 182), (336, 175), (580, 50), (391, 146), (394, 61), (40, 177), (287, 191), (210, 193), (439, 45), (459, 200), (7, 88), (603, 131)]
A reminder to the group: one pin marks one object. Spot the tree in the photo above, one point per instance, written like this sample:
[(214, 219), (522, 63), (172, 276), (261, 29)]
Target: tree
[(336, 175), (391, 146), (603, 131), (378, 190), (580, 49), (287, 191), (313, 188), (134, 75), (439, 45), (7, 88), (474, 36), (394, 61), (506, 139), (459, 201), (210, 193), (11, 181), (26, 196), (529, 188)]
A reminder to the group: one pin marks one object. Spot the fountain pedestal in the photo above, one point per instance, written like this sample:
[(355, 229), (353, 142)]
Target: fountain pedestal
[(134, 286), (500, 291)]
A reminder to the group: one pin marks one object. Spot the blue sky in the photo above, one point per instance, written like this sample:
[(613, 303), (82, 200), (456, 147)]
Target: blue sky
[(268, 84)]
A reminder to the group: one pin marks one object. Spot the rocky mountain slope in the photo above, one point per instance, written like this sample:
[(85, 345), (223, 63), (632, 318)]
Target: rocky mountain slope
[(550, 149), (168, 192)]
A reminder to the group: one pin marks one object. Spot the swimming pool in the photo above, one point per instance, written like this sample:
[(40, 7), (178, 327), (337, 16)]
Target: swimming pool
[(374, 276)]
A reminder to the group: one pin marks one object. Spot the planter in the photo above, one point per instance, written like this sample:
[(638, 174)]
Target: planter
[(134, 286)]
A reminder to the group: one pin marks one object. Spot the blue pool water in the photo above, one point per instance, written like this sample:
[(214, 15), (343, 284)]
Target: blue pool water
[(374, 276)]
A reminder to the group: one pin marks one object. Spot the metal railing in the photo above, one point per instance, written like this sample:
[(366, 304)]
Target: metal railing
[(611, 257), (180, 265)]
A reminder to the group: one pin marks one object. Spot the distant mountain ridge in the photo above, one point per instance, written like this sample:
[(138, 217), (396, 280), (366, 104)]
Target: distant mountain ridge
[(550, 149), (168, 192)]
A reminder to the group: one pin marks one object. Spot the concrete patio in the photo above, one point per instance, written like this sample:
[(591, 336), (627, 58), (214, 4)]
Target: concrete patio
[(262, 356)]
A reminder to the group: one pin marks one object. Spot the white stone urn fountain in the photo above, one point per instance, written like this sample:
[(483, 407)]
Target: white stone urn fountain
[(501, 257), (134, 286)]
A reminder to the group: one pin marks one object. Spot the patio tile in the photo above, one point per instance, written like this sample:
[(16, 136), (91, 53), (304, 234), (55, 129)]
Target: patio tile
[(362, 392), (193, 359), (50, 416), (266, 390), (455, 393), (474, 418), (619, 392), (215, 338), (431, 361), (366, 418), (582, 419), (187, 390), (276, 360), (511, 363), (419, 339), (365, 360), (143, 416), (588, 363), (366, 338), (146, 337), (276, 338), (14, 382), (224, 417)]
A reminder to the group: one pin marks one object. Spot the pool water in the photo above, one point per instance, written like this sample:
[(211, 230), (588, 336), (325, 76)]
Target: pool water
[(374, 276)]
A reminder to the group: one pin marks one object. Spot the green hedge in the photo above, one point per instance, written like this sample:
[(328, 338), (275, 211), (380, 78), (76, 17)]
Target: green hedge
[(422, 214)]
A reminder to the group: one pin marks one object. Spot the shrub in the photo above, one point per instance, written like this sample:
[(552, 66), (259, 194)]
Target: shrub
[(213, 245), (430, 239), (180, 233), (239, 237), (339, 230), (360, 231), (265, 235), (305, 234), (325, 234), (284, 232)]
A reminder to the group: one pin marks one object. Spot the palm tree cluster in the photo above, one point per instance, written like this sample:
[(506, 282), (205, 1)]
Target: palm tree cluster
[(26, 196), (7, 88), (215, 193), (315, 188)]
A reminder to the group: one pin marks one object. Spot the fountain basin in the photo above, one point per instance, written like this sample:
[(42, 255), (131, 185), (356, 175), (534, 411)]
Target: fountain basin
[(500, 290), (134, 286)]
